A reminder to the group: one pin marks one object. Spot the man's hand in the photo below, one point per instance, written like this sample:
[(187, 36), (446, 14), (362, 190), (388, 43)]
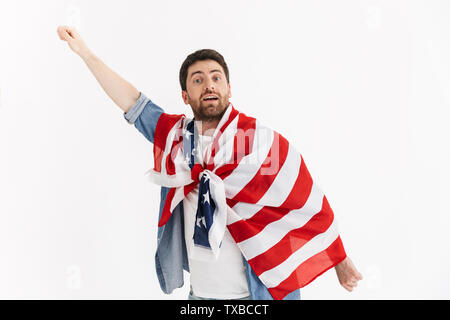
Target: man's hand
[(74, 40), (347, 274)]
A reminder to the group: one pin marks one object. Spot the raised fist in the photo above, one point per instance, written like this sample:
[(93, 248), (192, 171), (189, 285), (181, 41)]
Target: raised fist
[(74, 40)]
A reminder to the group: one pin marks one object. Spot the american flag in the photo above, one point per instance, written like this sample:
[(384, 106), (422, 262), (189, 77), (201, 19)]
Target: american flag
[(255, 183)]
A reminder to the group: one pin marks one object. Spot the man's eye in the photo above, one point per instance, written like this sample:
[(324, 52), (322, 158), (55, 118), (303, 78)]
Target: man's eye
[(216, 77), (197, 80)]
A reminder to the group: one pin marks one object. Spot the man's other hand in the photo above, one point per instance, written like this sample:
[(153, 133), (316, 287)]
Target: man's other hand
[(347, 274)]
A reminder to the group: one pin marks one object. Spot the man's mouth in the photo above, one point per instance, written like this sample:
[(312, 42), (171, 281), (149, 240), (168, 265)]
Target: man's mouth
[(210, 98)]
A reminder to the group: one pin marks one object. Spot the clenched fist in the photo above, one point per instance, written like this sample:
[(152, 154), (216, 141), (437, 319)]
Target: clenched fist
[(347, 274), (74, 40)]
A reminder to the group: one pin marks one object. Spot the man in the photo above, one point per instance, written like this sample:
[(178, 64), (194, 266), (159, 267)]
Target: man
[(204, 79)]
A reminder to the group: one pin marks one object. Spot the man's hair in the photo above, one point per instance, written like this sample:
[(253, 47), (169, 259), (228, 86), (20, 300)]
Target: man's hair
[(199, 55)]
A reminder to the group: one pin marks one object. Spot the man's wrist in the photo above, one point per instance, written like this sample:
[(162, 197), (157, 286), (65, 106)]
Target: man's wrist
[(87, 55), (341, 264)]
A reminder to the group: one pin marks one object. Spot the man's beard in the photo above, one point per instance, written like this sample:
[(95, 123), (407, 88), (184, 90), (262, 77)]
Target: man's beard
[(209, 111)]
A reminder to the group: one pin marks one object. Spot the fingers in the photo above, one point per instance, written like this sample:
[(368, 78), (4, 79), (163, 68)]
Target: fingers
[(359, 276), (352, 282), (66, 33), (63, 33), (74, 33), (347, 274), (349, 285), (348, 288)]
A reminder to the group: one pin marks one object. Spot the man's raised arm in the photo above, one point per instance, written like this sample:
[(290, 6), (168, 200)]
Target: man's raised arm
[(123, 93)]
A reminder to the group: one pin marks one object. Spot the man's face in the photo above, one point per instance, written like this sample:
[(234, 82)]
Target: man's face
[(207, 79)]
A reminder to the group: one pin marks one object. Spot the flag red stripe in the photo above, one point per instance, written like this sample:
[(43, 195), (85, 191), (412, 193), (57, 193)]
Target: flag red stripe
[(245, 229), (301, 190), (163, 126), (188, 188), (261, 182), (293, 240), (215, 145), (165, 215), (230, 202), (244, 123), (170, 165), (310, 269)]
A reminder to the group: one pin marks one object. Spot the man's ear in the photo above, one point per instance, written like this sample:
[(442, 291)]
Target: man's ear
[(184, 96), (229, 90)]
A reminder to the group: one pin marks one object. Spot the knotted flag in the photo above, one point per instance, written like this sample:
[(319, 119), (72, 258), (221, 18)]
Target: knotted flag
[(255, 183)]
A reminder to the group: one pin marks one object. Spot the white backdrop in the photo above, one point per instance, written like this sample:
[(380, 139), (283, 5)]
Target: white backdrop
[(362, 88)]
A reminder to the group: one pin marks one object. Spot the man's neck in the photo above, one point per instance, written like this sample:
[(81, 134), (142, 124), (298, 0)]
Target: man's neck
[(207, 128)]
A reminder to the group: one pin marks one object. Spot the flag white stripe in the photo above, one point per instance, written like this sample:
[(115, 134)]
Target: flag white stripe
[(279, 189), (168, 147), (273, 277), (232, 216), (177, 197), (275, 231), (284, 181), (225, 153), (250, 164), (246, 210), (222, 122)]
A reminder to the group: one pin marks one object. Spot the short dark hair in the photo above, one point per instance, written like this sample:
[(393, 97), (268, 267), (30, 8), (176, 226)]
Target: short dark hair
[(199, 55)]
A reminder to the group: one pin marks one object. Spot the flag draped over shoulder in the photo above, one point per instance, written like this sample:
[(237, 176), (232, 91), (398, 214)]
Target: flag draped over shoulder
[(255, 183)]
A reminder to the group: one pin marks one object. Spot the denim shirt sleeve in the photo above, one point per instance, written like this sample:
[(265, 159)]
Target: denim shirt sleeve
[(144, 114)]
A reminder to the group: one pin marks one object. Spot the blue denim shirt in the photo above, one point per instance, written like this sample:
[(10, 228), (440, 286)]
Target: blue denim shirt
[(171, 254)]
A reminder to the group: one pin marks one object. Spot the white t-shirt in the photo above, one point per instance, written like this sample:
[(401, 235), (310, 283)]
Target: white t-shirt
[(223, 278)]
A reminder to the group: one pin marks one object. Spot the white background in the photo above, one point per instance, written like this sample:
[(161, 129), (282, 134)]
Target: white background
[(361, 88)]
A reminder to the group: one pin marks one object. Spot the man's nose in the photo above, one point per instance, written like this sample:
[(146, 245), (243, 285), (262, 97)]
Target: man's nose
[(209, 85)]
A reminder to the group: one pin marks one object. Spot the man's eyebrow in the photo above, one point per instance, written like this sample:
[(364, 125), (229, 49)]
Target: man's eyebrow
[(215, 70)]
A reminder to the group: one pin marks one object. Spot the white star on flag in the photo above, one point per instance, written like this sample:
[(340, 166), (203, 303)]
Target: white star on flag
[(201, 220), (206, 197)]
